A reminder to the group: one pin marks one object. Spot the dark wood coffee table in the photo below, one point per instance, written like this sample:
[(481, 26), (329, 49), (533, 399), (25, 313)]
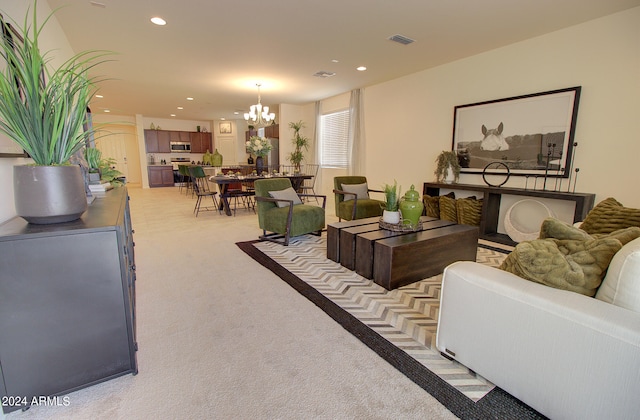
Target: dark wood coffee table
[(393, 259), (334, 231)]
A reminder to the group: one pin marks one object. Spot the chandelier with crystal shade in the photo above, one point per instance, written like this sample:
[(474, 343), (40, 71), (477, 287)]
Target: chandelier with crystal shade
[(259, 115)]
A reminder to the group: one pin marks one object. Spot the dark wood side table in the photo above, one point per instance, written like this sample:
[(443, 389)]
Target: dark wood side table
[(365, 243)]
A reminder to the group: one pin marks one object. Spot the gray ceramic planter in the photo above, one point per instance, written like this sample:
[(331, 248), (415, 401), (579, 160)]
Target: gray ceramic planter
[(49, 194)]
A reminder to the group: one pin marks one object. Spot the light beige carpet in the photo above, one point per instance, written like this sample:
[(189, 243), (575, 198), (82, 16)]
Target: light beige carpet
[(221, 337)]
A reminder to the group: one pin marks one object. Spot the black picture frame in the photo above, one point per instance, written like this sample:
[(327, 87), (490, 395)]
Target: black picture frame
[(8, 148), (531, 134)]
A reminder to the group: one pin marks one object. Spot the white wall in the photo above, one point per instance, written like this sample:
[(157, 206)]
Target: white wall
[(409, 120)]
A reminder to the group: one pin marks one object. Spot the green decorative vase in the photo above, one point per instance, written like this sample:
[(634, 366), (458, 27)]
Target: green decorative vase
[(411, 207), (216, 159), (206, 159)]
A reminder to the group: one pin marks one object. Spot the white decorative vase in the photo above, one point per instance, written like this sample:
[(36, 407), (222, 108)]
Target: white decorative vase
[(392, 217), (451, 176)]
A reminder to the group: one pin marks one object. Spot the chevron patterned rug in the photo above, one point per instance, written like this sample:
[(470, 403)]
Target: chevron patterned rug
[(400, 325)]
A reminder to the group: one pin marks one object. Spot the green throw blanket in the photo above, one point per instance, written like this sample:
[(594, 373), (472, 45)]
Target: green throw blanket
[(567, 258)]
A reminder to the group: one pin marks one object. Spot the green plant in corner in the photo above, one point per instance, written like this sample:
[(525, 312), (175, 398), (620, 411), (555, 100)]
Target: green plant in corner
[(447, 160), (43, 110), (300, 142)]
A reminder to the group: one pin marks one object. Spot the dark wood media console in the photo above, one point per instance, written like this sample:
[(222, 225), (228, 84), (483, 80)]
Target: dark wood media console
[(491, 204)]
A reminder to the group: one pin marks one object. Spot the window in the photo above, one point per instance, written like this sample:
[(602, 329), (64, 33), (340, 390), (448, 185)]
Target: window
[(334, 139)]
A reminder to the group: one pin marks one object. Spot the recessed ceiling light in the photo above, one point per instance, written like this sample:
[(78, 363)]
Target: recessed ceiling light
[(106, 110), (99, 96), (335, 61), (173, 115), (361, 68), (222, 118), (97, 4), (158, 21), (180, 107), (189, 99), (236, 113)]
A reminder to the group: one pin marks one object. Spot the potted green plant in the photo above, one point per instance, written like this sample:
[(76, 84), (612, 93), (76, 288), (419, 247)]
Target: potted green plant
[(109, 172), (93, 157), (300, 142), (392, 199), (43, 110), (447, 167)]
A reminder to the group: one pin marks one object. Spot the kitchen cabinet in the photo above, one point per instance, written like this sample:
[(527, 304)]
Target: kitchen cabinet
[(249, 134), (200, 142), (180, 136), (157, 141), (272, 131), (67, 302), (160, 175)]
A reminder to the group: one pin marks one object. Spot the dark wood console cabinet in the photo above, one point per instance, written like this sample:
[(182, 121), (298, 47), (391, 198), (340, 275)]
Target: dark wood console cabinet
[(491, 204), (67, 302)]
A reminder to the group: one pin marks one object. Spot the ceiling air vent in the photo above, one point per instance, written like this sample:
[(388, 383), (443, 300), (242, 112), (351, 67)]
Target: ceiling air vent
[(324, 74), (401, 39)]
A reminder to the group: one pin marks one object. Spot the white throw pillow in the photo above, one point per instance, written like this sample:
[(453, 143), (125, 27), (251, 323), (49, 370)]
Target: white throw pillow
[(361, 189), (621, 285), (286, 194)]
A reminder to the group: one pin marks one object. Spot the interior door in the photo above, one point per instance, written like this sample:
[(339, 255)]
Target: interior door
[(119, 142), (227, 148)]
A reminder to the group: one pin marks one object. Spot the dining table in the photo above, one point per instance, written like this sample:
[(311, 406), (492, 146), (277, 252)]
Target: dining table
[(224, 181)]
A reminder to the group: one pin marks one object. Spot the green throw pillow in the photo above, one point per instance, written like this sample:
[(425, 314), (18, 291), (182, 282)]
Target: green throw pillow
[(566, 257), (469, 211), (432, 204), (448, 210), (610, 215)]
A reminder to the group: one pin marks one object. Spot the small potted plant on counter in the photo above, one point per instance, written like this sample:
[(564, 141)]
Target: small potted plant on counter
[(391, 214)]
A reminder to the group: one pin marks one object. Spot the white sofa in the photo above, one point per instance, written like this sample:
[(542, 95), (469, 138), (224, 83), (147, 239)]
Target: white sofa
[(567, 355)]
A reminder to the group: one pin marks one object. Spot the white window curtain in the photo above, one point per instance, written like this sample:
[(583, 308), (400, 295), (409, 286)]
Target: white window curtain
[(315, 146), (356, 139)]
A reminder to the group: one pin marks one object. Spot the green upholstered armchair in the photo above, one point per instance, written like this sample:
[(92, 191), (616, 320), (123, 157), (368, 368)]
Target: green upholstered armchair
[(349, 206), (278, 223)]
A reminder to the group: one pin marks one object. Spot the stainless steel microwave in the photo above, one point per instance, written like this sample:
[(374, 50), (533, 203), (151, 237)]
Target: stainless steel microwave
[(180, 147)]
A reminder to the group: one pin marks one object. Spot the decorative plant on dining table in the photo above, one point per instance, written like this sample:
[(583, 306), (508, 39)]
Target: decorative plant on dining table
[(259, 146)]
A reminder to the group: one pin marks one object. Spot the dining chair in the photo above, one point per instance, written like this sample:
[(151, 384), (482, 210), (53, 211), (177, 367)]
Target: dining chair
[(281, 213), (353, 200), (309, 184), (240, 193), (201, 189), (287, 169), (185, 180)]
